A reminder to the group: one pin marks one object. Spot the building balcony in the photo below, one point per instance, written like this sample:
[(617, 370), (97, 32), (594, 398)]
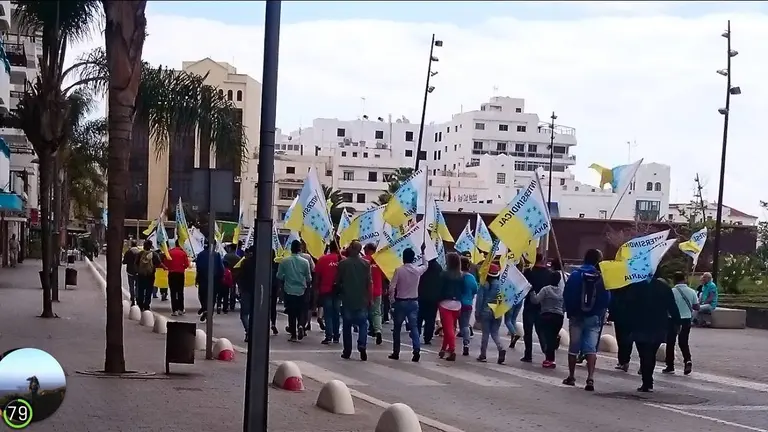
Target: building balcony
[(21, 54), (5, 15), (5, 85), (361, 185)]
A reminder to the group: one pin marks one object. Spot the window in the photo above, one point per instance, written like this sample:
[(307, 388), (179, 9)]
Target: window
[(361, 198), (409, 153), (576, 189), (670, 216), (646, 210), (288, 194), (455, 128), (519, 166), (657, 187), (479, 126), (649, 186), (501, 178), (559, 149), (521, 128), (503, 128), (478, 145), (354, 154), (343, 154), (423, 155), (434, 155), (388, 177), (365, 154), (532, 148), (349, 175), (632, 185), (341, 132), (221, 92), (290, 170), (379, 134), (439, 154), (346, 197), (373, 176), (448, 130), (518, 110), (474, 161), (455, 147), (376, 156), (409, 136), (436, 140), (581, 215), (562, 182), (329, 173), (229, 94), (501, 146), (520, 148), (440, 136), (239, 95)]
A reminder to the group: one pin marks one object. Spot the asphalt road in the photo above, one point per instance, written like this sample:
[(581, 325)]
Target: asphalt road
[(728, 390)]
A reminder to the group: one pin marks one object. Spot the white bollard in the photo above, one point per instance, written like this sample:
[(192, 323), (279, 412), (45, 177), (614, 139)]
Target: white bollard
[(223, 350), (565, 339), (147, 319), (126, 308), (200, 340), (608, 344), (288, 377), (398, 417), (161, 325), (335, 398), (135, 313)]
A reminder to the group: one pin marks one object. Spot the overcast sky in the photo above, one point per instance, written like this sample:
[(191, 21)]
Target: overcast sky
[(617, 72)]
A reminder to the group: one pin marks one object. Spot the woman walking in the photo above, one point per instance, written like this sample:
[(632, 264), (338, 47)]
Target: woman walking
[(452, 284), (551, 300), (468, 292), (488, 293)]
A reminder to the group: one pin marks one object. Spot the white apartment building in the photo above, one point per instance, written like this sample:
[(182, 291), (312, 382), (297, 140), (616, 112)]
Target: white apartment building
[(730, 214)]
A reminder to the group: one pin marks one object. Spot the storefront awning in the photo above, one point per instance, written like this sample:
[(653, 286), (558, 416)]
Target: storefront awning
[(10, 202)]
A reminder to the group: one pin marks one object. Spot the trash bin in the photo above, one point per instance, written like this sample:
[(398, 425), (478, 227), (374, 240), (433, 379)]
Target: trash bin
[(71, 259), (180, 343), (70, 277)]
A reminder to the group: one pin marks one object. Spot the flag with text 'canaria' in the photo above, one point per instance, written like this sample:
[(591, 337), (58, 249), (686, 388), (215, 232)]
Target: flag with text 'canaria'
[(513, 287), (695, 245), (483, 239), (367, 227), (618, 274), (310, 216), (640, 245), (390, 257), (404, 203), (524, 219)]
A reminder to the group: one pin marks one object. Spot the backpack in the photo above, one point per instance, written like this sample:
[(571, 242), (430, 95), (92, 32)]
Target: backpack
[(591, 283), (146, 265)]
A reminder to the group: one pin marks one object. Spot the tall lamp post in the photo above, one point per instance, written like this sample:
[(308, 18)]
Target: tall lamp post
[(729, 90), (427, 90), (551, 163)]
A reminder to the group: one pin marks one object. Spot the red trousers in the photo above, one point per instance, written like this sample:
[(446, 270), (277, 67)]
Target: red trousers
[(449, 318)]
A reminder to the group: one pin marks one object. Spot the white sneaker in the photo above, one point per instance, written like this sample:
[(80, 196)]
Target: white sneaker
[(174, 313), (183, 312)]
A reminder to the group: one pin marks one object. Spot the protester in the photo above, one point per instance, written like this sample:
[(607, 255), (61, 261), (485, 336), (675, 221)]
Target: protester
[(707, 302), (404, 296), (385, 304), (13, 251), (177, 266), (687, 303), (246, 283), (620, 314), (652, 307), (429, 297), (274, 295), (489, 293), (451, 286), (585, 300), (294, 272), (201, 278), (550, 299), (325, 278), (510, 317), (377, 280), (310, 302), (353, 279), (130, 258), (225, 289), (147, 262), (538, 276), (468, 294), (231, 258)]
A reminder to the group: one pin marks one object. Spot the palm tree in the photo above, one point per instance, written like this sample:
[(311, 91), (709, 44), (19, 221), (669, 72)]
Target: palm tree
[(336, 199), (85, 166), (43, 110), (399, 176)]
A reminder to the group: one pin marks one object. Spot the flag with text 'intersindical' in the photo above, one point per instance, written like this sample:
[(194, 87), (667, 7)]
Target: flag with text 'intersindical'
[(310, 216), (640, 245), (466, 241), (436, 221), (404, 203), (513, 287), (390, 257), (523, 220), (695, 245), (618, 274), (344, 222), (367, 227), (483, 239)]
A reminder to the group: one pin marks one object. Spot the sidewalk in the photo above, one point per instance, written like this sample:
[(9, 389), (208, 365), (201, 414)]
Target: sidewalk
[(201, 397)]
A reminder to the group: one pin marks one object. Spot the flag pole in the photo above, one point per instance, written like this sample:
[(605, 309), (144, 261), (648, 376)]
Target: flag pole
[(551, 225), (426, 203)]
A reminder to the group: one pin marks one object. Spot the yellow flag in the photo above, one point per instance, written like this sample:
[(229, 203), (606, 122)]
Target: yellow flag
[(150, 228)]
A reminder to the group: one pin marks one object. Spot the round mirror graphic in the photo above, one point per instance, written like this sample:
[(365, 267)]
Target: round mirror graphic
[(32, 386)]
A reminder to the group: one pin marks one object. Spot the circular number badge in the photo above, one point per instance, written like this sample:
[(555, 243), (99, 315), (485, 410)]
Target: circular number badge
[(17, 414)]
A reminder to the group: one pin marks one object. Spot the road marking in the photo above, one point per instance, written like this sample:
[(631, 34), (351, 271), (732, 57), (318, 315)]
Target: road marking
[(703, 417), (398, 375), (456, 372), (324, 375), (529, 375), (719, 407), (425, 420), (734, 382)]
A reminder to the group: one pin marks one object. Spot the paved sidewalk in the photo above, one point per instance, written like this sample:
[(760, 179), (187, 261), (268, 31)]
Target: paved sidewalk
[(201, 397)]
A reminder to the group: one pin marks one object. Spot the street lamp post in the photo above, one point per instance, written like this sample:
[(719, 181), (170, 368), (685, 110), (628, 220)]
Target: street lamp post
[(729, 90), (551, 163), (427, 90)]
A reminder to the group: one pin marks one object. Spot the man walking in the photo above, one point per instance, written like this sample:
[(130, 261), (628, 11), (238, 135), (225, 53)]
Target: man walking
[(294, 273), (147, 262), (130, 259), (246, 283), (325, 277), (429, 297), (538, 276), (687, 303), (201, 266), (620, 313), (377, 280), (231, 258), (404, 295), (13, 250), (177, 266), (354, 283)]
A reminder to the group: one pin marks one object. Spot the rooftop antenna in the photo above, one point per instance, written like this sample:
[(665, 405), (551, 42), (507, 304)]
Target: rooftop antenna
[(495, 90), (630, 146), (362, 107)]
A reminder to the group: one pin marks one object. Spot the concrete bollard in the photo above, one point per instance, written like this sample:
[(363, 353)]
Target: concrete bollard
[(398, 417), (288, 377), (161, 325), (200, 337), (147, 319), (565, 339), (335, 398), (223, 350), (135, 313), (608, 344), (126, 308), (661, 353)]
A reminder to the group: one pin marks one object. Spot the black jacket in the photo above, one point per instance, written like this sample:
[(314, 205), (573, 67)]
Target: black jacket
[(652, 305), (538, 277), (429, 283), (620, 307)]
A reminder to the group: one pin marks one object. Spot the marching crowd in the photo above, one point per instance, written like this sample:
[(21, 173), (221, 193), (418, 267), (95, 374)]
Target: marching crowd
[(349, 293)]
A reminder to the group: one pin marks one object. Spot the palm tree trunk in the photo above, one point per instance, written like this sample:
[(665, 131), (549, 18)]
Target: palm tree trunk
[(46, 166), (65, 209), (124, 36), (55, 242)]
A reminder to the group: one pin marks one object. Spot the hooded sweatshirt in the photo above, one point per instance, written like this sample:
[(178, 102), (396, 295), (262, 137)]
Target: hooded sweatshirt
[(469, 291), (129, 259)]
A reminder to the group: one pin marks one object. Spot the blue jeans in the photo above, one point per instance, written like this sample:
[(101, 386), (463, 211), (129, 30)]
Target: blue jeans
[(246, 306), (407, 311), (585, 334), (357, 318), (490, 326), (510, 318), (332, 316), (132, 287), (464, 317)]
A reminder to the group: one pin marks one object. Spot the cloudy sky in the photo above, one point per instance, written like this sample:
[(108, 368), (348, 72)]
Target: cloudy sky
[(617, 72)]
